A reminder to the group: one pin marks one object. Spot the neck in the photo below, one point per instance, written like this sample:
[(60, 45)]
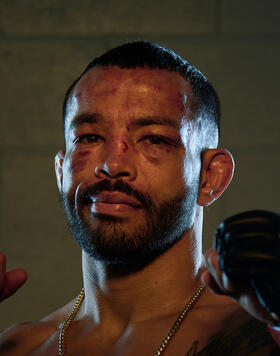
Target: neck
[(113, 295)]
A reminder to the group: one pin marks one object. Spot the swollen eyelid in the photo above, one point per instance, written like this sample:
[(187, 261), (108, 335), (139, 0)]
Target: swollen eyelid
[(156, 140)]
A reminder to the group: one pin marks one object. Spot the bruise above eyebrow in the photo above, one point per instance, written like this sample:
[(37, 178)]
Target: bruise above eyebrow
[(86, 119), (94, 118), (154, 120)]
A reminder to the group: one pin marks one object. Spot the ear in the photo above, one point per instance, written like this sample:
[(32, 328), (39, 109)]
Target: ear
[(59, 158), (216, 173)]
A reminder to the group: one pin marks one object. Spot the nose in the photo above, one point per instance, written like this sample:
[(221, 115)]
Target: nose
[(118, 162)]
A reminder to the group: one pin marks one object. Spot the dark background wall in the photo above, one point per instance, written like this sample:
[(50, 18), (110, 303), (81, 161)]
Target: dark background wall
[(45, 44)]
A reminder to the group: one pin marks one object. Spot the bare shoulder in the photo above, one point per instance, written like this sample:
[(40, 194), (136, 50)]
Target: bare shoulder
[(249, 338), (232, 331), (24, 337), (241, 335)]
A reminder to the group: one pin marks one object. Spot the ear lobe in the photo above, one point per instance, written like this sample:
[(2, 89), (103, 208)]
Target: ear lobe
[(216, 173), (59, 158)]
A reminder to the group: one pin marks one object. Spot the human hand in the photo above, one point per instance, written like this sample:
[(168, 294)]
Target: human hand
[(10, 281), (245, 263)]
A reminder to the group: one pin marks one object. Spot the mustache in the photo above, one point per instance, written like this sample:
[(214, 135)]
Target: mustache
[(119, 186)]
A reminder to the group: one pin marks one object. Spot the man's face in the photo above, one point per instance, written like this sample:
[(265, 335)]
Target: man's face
[(131, 168)]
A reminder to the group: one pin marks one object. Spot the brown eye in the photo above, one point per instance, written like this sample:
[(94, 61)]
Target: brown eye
[(86, 139), (156, 140)]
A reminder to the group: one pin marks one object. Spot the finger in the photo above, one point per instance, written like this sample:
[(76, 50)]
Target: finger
[(255, 220), (211, 259), (223, 282), (210, 282), (251, 303), (14, 279), (268, 295), (251, 237), (254, 226), (242, 266), (2, 271), (244, 275), (238, 257)]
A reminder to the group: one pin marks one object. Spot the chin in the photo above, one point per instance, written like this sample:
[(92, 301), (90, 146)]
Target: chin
[(135, 240), (113, 242)]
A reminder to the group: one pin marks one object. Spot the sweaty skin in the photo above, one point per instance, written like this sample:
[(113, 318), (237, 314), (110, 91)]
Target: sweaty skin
[(137, 125)]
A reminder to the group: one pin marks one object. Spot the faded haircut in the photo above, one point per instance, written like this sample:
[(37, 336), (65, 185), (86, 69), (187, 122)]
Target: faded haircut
[(144, 54)]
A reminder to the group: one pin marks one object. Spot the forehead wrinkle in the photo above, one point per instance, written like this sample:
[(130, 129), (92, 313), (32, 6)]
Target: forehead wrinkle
[(182, 102), (90, 118), (154, 120)]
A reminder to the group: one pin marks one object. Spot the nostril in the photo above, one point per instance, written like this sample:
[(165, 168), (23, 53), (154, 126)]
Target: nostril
[(101, 172), (116, 168), (122, 174)]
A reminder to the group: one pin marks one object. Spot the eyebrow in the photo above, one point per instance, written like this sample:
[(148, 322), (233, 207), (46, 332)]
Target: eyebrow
[(94, 118), (86, 118), (155, 120)]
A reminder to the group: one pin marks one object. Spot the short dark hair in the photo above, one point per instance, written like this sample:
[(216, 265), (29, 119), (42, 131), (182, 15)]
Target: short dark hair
[(153, 56)]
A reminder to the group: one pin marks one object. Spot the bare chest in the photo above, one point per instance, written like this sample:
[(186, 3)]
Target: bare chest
[(144, 341)]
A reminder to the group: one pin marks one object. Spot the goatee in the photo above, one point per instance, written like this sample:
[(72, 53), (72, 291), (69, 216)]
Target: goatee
[(112, 240)]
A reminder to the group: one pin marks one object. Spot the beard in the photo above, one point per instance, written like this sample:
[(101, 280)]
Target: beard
[(118, 241)]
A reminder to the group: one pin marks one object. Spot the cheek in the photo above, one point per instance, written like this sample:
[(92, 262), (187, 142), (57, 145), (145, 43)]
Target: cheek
[(73, 167), (155, 154), (163, 177), (79, 161)]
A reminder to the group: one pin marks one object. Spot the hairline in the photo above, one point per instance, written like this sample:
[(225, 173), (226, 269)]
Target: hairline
[(194, 97)]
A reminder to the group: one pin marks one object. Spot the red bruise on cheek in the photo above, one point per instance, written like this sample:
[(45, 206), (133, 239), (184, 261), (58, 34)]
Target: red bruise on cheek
[(83, 153), (78, 161), (78, 166)]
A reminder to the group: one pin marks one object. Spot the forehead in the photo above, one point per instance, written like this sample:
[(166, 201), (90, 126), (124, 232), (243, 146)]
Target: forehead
[(131, 92)]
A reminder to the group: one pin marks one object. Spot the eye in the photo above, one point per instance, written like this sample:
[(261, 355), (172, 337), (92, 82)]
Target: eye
[(86, 139), (156, 140)]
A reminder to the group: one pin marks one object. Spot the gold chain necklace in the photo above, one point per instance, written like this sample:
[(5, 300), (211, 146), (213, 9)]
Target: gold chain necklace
[(165, 342)]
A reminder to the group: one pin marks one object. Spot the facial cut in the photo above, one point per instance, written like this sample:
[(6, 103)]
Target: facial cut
[(130, 173)]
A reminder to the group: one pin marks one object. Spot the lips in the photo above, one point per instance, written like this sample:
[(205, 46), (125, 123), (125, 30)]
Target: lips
[(116, 198)]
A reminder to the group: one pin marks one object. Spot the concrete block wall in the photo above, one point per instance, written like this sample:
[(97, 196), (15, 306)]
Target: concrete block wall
[(44, 45)]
